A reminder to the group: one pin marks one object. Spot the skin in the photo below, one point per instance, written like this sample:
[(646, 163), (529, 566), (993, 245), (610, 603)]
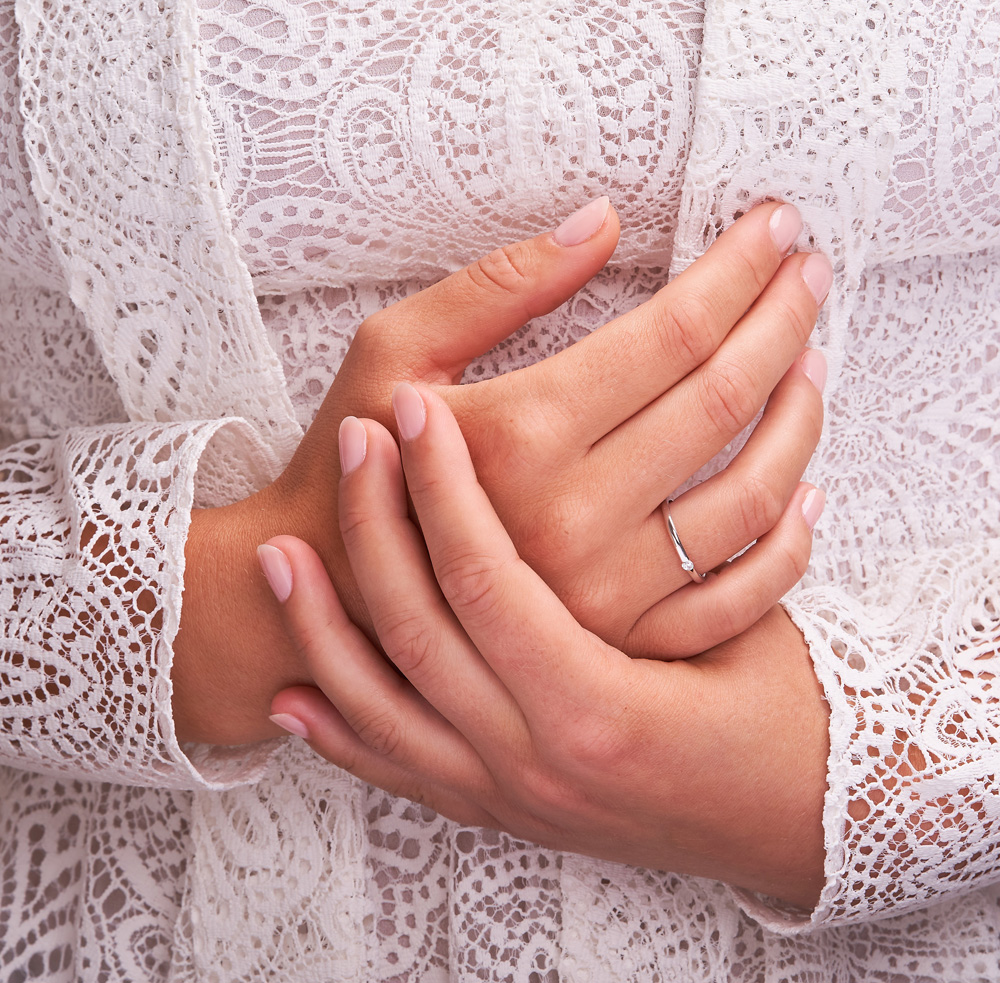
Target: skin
[(507, 713), (711, 346)]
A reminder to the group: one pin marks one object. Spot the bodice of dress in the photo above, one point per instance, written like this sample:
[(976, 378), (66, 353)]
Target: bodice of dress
[(378, 140), (371, 148)]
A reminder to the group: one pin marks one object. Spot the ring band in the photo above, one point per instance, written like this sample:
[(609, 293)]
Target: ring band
[(687, 564)]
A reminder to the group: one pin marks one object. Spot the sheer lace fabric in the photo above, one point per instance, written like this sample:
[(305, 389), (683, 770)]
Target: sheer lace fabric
[(884, 132), (379, 141)]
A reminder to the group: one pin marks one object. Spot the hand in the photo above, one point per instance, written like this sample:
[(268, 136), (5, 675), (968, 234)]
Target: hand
[(510, 715), (577, 451)]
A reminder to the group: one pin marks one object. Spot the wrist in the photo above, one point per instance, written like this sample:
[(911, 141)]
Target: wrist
[(231, 654)]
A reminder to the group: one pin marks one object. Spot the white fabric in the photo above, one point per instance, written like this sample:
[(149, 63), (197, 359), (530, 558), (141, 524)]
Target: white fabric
[(361, 149)]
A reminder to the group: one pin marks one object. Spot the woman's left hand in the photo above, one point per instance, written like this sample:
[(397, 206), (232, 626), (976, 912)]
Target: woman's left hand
[(510, 715)]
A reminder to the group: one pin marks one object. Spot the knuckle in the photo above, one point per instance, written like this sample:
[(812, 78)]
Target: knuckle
[(748, 271), (552, 533), (379, 728), (428, 486), (787, 562), (593, 752), (372, 326), (685, 639), (795, 560), (377, 329), (664, 638), (731, 613), (546, 795), (795, 316), (684, 328), (313, 636), (813, 421), (519, 434), (387, 343), (355, 519), (409, 639), (469, 579), (594, 744), (728, 397), (758, 504), (508, 270)]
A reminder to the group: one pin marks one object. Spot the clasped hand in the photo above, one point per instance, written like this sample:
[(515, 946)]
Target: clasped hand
[(575, 454), (508, 714), (578, 451)]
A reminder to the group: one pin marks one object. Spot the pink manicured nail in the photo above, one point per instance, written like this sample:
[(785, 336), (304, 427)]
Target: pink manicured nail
[(812, 506), (277, 570), (290, 723), (353, 444), (411, 415), (583, 224), (814, 367), (785, 225), (818, 274)]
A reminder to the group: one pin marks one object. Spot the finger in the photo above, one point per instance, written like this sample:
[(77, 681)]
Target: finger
[(744, 501), (379, 706), (708, 408), (437, 332), (515, 621), (632, 570), (617, 370), (307, 713), (415, 626), (699, 616)]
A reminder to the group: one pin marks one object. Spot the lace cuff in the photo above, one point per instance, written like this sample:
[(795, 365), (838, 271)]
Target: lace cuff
[(92, 528), (912, 814)]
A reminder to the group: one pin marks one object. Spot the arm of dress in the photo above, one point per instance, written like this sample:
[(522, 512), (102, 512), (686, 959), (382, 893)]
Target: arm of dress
[(93, 526), (908, 668)]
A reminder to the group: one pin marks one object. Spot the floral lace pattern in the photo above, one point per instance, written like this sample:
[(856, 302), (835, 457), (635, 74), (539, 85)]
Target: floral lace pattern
[(363, 148), (377, 141)]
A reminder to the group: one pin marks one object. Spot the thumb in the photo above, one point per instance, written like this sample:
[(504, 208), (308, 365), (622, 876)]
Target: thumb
[(439, 331)]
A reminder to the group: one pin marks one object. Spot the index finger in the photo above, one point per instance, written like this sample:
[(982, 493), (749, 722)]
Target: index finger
[(523, 631), (620, 368)]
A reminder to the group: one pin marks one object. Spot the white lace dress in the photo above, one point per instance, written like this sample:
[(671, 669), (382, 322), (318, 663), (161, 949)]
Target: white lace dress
[(161, 162)]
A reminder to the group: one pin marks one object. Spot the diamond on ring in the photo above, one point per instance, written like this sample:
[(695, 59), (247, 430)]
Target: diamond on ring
[(687, 564)]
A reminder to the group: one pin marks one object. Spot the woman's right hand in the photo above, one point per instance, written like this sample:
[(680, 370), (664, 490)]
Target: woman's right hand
[(576, 452), (493, 706)]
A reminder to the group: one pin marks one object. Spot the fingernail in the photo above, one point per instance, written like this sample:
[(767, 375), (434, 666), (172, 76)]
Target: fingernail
[(785, 225), (353, 444), (812, 506), (583, 224), (818, 274), (290, 723), (814, 367), (277, 570), (411, 415)]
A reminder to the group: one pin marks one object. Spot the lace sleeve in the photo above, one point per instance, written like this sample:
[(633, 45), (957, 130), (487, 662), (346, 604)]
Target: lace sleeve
[(92, 530), (912, 810)]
